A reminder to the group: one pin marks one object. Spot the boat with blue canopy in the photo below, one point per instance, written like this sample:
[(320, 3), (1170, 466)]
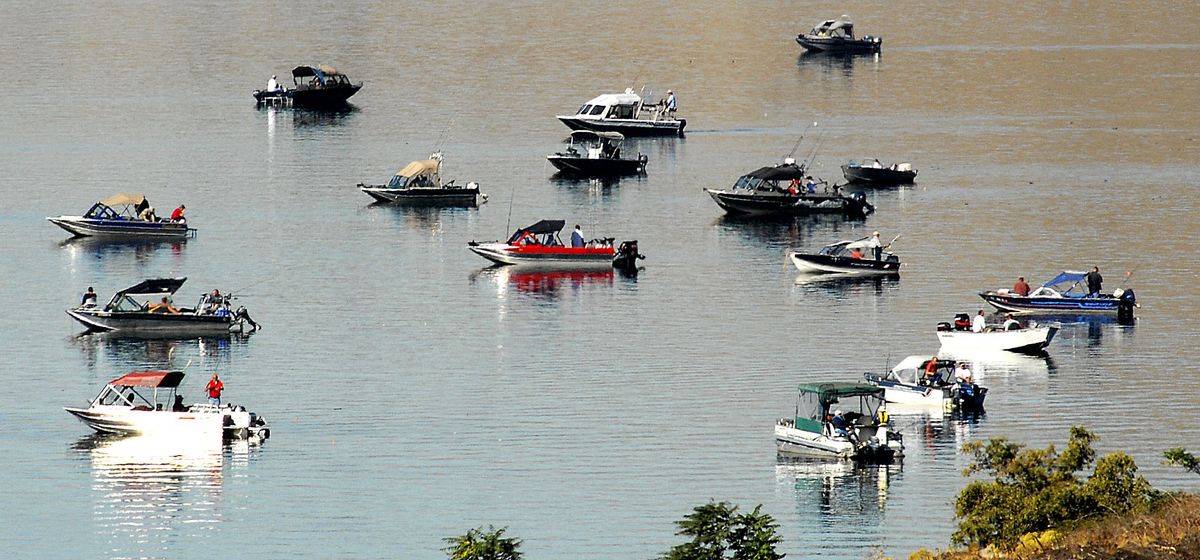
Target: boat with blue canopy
[(123, 216), (1065, 293)]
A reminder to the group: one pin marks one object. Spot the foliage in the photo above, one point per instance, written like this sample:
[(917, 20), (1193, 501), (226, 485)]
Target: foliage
[(484, 544), (1182, 458), (719, 532), (1037, 489)]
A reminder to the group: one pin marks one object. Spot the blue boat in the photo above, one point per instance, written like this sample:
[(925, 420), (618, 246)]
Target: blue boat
[(1063, 294), (124, 216)]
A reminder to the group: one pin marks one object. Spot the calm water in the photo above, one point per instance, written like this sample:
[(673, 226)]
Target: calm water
[(415, 395)]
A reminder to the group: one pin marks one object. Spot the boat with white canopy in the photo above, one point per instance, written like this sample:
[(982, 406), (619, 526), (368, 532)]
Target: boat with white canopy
[(420, 184), (836, 36), (628, 113), (929, 382)]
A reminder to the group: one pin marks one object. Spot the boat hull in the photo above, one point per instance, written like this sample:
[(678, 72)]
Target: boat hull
[(314, 98), (839, 45), (844, 265), (549, 257), (1009, 302), (152, 323), (627, 127), (592, 167), (793, 442), (121, 229), (765, 204), (1026, 341), (202, 421), (944, 398), (857, 174), (464, 197)]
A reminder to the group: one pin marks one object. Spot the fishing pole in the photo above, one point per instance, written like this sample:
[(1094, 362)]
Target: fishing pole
[(802, 134)]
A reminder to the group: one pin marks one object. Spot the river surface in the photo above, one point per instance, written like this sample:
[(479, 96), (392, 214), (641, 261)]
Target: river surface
[(414, 394)]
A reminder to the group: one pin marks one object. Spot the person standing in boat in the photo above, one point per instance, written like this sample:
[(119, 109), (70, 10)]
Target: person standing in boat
[(1094, 282), (577, 237), (979, 322), (877, 246), (89, 298), (1021, 288), (670, 104), (178, 215), (214, 388)]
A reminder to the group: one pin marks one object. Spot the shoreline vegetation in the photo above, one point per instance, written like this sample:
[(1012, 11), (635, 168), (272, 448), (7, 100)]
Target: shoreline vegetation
[(1036, 506)]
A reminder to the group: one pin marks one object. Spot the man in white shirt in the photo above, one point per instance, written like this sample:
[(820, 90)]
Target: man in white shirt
[(671, 103), (272, 85), (978, 323)]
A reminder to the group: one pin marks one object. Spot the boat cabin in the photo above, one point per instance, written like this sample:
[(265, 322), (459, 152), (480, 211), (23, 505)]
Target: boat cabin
[(816, 403), (596, 145), (543, 233), (318, 77), (613, 106), (841, 27), (419, 174), (787, 177), (123, 391)]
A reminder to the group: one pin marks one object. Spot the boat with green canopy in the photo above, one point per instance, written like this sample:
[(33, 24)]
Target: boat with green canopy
[(838, 420)]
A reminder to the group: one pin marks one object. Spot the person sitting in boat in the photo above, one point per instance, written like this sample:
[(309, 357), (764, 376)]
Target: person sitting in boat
[(1010, 323), (178, 406), (931, 374), (577, 237), (810, 185), (794, 187), (273, 85), (881, 416), (979, 323), (178, 215), (839, 424), (89, 298), (1021, 288), (962, 373), (164, 307), (856, 253), (147, 214), (212, 302)]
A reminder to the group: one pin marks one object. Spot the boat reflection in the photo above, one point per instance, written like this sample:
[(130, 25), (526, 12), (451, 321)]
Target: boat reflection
[(544, 282), (100, 249), (843, 286), (309, 117), (841, 492), (1090, 328), (937, 436), (432, 220), (109, 350), (152, 491), (841, 63), (992, 363), (786, 231)]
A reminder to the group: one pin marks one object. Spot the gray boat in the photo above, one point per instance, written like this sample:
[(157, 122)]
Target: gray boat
[(145, 308), (420, 184)]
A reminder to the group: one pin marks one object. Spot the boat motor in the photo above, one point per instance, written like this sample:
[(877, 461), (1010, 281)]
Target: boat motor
[(627, 256), (1126, 302), (858, 204)]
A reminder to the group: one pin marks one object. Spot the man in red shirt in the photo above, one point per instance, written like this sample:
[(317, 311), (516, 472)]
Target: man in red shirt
[(1021, 288), (177, 215), (214, 389)]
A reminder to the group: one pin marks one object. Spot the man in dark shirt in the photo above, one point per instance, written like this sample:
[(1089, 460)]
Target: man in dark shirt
[(1094, 282)]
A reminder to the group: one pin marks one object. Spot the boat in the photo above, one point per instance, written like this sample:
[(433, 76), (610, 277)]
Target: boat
[(539, 244), (839, 258), (148, 403), (1064, 294), (130, 311), (875, 172), (116, 217), (836, 36), (786, 189), (868, 435), (928, 381), (598, 155), (627, 113), (420, 184), (957, 338), (314, 86)]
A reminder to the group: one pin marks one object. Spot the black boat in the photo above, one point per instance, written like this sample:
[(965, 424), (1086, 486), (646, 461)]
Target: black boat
[(420, 184), (596, 154), (315, 86), (848, 257), (787, 190), (875, 172), (836, 36)]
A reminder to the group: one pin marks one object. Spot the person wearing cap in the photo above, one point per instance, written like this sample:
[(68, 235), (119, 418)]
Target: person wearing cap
[(1011, 323), (839, 423), (962, 372), (273, 85), (671, 103), (877, 246)]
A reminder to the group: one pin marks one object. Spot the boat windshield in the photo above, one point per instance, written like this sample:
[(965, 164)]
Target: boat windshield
[(101, 211), (748, 183), (584, 110), (126, 303), (623, 112), (122, 396), (909, 375), (597, 109), (398, 182)]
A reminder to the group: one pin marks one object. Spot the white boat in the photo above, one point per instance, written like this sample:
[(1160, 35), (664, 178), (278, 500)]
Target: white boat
[(121, 408), (840, 258), (116, 217), (627, 113), (928, 382), (813, 432), (1027, 340)]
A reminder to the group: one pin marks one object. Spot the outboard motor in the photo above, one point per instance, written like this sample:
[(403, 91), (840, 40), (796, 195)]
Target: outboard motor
[(962, 322), (943, 326), (627, 256), (858, 204), (1126, 301)]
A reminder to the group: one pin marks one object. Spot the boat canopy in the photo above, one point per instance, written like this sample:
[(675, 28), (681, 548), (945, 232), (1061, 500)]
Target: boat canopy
[(544, 226), (1067, 277), (840, 27), (151, 379), (610, 99), (153, 286), (124, 199), (319, 71), (422, 167), (607, 135), (840, 247), (830, 392), (782, 172)]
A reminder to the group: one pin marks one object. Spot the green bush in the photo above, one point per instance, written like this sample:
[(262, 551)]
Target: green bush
[(1037, 489), (1182, 458), (483, 544), (719, 532)]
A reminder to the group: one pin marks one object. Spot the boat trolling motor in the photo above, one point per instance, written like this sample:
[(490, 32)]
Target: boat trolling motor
[(1126, 302), (627, 256)]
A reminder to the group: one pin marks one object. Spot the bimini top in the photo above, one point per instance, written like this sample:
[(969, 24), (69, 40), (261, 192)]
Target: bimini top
[(610, 99), (843, 246), (124, 199), (912, 362), (152, 379), (154, 287), (585, 134), (827, 391), (783, 172), (319, 71), (1067, 277), (544, 226), (839, 27), (427, 167)]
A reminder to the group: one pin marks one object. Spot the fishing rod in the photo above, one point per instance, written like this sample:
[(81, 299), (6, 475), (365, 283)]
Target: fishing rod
[(802, 134), (1127, 275), (813, 157)]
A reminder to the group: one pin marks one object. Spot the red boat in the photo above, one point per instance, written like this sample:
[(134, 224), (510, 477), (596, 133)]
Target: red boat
[(539, 244)]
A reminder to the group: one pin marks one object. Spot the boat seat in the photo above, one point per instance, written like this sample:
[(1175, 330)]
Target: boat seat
[(142, 407)]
